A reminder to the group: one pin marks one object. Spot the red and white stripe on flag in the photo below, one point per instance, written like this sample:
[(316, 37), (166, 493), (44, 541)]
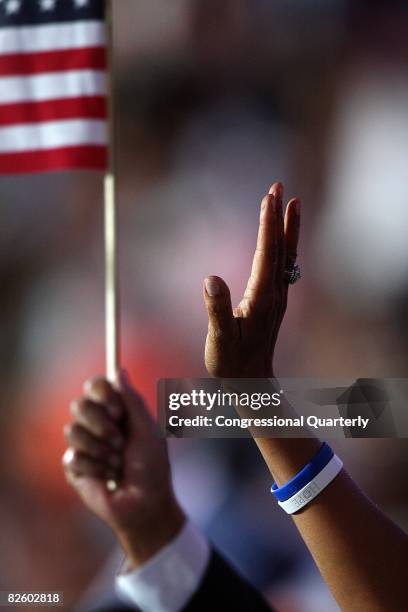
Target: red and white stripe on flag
[(52, 85)]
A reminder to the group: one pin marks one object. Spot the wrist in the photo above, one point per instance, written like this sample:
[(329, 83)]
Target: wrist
[(286, 456), (149, 536)]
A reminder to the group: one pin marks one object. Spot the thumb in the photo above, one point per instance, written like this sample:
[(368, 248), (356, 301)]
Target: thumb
[(218, 302)]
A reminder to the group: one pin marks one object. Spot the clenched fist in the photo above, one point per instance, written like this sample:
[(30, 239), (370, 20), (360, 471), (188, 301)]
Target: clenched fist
[(143, 511)]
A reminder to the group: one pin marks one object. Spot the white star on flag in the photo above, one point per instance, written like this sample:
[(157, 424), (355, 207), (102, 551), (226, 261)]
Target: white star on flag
[(47, 5), (13, 6)]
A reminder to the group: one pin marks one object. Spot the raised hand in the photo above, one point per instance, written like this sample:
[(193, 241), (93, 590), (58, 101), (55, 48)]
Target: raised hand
[(241, 341)]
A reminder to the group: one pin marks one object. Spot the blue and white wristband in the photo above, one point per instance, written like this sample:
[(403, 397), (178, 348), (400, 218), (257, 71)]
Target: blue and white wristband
[(309, 482)]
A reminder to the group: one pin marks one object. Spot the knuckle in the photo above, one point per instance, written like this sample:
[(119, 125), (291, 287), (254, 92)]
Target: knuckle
[(67, 431), (79, 408), (74, 407), (98, 388), (90, 383), (74, 434)]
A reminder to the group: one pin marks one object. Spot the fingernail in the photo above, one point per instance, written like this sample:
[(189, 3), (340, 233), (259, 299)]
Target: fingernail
[(212, 287), (277, 190)]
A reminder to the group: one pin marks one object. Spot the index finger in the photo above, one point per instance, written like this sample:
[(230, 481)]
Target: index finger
[(100, 391)]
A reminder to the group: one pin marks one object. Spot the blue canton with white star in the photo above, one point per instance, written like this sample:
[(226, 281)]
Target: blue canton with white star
[(37, 12)]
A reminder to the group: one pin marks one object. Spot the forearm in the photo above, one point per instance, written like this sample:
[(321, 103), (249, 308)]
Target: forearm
[(360, 553)]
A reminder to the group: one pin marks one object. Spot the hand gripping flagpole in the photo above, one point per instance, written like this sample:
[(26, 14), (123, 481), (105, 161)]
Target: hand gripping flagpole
[(110, 236)]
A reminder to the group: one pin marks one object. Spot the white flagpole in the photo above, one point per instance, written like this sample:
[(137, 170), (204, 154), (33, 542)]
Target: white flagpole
[(111, 271), (112, 338)]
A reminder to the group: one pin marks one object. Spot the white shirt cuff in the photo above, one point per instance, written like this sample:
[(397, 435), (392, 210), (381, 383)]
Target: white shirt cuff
[(168, 580)]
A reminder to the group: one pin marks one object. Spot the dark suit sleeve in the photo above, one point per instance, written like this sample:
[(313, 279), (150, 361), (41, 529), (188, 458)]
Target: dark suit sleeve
[(223, 588)]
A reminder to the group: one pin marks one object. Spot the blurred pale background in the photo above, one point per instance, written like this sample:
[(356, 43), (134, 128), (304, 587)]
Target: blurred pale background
[(214, 101)]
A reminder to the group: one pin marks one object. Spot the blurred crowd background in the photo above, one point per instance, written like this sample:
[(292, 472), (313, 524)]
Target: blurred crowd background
[(215, 100)]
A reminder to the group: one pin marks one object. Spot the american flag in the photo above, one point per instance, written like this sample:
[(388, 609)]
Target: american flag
[(52, 85)]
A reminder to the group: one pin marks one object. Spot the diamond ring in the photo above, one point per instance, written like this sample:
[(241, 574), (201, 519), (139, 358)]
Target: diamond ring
[(293, 274)]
